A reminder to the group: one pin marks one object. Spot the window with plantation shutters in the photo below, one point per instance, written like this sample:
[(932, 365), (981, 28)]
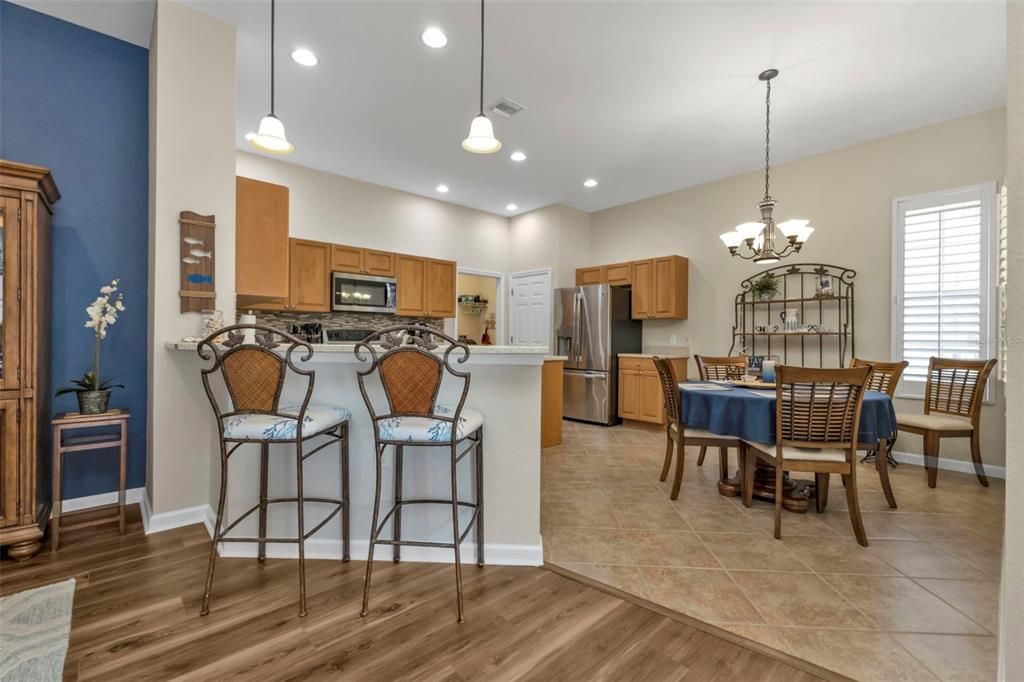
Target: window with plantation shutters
[(943, 288)]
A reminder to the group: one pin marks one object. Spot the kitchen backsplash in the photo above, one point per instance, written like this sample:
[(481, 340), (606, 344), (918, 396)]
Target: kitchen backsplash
[(371, 321)]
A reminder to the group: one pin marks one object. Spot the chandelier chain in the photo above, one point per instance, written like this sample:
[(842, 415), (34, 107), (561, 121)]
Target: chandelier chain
[(481, 57), (272, 14), (767, 135)]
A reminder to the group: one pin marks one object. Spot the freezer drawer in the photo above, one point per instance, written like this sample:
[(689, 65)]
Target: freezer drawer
[(589, 396)]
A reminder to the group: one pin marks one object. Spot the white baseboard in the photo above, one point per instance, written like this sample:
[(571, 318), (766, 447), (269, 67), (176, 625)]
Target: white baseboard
[(948, 464), (131, 496), (495, 553)]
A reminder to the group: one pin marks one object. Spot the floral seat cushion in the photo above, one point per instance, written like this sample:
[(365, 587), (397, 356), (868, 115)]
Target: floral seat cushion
[(427, 430), (276, 427)]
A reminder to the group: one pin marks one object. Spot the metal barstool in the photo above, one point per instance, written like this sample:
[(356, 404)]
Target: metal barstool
[(254, 375), (411, 375)]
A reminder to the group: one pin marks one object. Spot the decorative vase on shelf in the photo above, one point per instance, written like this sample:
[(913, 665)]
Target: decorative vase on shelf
[(765, 295)]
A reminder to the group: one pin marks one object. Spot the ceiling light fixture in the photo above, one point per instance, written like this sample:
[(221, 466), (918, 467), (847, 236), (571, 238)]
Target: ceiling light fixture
[(511, 207), (443, 189), (434, 37), (270, 137), (481, 138), (759, 237), (304, 57), (589, 183), (517, 156)]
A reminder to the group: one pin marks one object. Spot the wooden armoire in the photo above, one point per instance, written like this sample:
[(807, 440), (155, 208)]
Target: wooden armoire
[(27, 195)]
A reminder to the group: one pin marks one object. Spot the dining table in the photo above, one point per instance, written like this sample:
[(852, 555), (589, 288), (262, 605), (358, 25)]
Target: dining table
[(748, 414)]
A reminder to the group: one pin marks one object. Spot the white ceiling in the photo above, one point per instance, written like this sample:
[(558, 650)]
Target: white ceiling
[(647, 97)]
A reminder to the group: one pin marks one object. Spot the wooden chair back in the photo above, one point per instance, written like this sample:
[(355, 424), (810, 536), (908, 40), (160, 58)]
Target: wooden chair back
[(720, 369), (670, 388), (253, 373), (956, 386), (884, 375), (819, 408), (410, 372)]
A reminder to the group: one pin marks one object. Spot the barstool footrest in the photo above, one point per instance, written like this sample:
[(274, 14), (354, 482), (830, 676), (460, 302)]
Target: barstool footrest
[(339, 504), (424, 543)]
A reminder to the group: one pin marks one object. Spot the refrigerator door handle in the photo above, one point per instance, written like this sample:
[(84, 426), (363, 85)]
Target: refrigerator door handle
[(578, 333)]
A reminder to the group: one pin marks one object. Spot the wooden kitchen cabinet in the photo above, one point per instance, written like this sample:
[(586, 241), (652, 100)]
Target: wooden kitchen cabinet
[(310, 286), (590, 276), (618, 274), (643, 290), (640, 392), (426, 286), (261, 240), (363, 261), (660, 288)]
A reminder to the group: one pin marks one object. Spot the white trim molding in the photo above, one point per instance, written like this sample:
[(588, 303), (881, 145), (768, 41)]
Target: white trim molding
[(949, 464)]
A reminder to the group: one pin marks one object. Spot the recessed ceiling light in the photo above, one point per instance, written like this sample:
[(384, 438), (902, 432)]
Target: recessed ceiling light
[(305, 57), (511, 207), (442, 189), (434, 37), (518, 156), (590, 182)]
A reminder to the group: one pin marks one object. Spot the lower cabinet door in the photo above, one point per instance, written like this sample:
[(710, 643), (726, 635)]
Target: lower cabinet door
[(9, 462), (652, 399), (629, 394)]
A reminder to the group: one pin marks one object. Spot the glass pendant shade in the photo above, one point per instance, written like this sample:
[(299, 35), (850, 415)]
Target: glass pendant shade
[(270, 136), (791, 227), (803, 233), (750, 230), (481, 138), (731, 239)]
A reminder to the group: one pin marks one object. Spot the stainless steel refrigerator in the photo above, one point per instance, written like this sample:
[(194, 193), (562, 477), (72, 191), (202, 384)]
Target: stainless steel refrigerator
[(592, 326)]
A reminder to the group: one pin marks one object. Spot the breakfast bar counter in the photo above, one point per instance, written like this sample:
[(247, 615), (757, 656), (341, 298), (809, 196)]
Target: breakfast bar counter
[(505, 387)]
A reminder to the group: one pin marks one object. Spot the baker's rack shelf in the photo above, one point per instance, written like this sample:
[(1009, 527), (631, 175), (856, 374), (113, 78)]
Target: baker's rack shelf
[(822, 298)]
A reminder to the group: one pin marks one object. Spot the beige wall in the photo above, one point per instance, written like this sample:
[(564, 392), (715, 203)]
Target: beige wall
[(471, 324), (337, 209), (847, 194), (192, 167), (556, 237), (1011, 624)]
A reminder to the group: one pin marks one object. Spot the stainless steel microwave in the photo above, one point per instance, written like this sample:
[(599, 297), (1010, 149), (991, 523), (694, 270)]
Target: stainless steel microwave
[(363, 293)]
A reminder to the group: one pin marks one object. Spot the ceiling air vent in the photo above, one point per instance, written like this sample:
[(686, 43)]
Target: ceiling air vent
[(506, 108)]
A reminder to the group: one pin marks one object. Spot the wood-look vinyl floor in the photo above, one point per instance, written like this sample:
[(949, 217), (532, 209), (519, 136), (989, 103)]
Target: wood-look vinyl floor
[(136, 616)]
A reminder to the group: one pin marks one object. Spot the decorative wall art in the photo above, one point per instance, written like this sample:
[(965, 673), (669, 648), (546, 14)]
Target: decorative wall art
[(197, 290)]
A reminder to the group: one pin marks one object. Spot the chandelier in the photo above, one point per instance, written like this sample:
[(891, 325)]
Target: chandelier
[(759, 237)]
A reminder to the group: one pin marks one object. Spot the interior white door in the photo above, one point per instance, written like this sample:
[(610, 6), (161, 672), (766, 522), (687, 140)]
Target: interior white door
[(530, 309)]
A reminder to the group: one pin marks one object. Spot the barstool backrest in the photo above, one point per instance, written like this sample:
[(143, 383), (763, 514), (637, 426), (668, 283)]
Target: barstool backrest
[(410, 371), (254, 373)]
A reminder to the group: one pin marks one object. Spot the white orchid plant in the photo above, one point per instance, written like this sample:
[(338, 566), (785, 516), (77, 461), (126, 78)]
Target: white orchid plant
[(102, 313)]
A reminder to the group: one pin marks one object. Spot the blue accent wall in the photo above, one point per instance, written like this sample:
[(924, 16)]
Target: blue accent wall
[(77, 102)]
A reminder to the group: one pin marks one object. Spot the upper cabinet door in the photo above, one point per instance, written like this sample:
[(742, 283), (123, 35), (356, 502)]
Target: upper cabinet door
[(441, 276), (411, 273), (346, 259), (10, 278), (261, 239), (671, 287), (619, 274), (378, 263), (595, 275), (643, 289), (310, 276)]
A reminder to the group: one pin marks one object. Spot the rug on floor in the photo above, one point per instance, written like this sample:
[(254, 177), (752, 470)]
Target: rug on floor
[(34, 630)]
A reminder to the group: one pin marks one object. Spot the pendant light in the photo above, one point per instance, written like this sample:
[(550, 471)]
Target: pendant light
[(481, 138), (270, 135), (759, 237)]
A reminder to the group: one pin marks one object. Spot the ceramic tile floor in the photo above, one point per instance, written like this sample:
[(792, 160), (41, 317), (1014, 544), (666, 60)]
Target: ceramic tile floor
[(919, 604)]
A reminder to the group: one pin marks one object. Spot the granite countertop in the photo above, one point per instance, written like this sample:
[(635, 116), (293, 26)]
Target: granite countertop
[(556, 358), (190, 345), (648, 356)]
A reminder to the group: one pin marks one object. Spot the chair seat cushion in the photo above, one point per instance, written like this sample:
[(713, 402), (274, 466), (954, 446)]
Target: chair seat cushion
[(934, 422), (803, 454), (702, 433), (427, 430), (276, 427)]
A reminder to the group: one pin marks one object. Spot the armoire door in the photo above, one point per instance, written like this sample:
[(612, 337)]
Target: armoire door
[(10, 283), (9, 463)]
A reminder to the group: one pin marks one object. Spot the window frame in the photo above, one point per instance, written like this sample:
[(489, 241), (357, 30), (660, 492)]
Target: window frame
[(914, 390)]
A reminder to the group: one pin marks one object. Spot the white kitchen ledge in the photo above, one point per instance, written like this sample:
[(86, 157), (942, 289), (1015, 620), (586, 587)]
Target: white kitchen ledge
[(478, 355)]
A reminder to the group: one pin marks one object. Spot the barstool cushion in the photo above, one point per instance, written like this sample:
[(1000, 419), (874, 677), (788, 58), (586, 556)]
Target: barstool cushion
[(276, 427), (425, 429)]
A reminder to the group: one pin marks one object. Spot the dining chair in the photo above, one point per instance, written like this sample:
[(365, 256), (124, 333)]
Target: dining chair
[(725, 368), (884, 378), (677, 435), (953, 393), (411, 373), (253, 375), (817, 415)]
